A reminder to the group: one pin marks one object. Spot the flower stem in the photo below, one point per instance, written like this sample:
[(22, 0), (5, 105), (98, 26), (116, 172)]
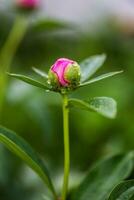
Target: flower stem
[(8, 51), (66, 146)]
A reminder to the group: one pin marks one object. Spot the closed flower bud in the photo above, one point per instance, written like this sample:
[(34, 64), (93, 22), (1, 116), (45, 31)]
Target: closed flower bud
[(28, 4), (64, 74)]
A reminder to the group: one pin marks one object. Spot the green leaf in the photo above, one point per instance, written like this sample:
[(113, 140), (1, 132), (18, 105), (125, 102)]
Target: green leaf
[(105, 106), (123, 191), (49, 25), (104, 176), (22, 149), (40, 72), (101, 77), (30, 81), (90, 65)]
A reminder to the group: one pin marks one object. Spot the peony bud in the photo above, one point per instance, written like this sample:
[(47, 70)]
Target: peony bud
[(64, 73), (28, 4)]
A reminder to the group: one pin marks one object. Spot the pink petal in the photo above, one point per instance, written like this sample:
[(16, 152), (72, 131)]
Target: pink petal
[(59, 68)]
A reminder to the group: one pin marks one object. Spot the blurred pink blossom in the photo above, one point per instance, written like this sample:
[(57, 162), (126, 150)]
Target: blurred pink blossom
[(28, 4)]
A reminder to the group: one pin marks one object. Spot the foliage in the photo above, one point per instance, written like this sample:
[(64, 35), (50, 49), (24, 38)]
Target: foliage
[(28, 110)]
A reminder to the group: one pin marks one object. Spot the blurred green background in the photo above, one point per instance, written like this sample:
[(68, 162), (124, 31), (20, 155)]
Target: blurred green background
[(37, 116)]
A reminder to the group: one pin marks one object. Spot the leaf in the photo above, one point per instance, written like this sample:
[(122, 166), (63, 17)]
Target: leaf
[(30, 81), (40, 72), (105, 106), (101, 77), (123, 191), (103, 177), (22, 149), (90, 65), (49, 25)]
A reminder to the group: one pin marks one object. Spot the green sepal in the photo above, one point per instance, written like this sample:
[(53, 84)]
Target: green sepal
[(72, 75)]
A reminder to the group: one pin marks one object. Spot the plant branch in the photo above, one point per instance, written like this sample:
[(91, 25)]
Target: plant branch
[(8, 51), (66, 146)]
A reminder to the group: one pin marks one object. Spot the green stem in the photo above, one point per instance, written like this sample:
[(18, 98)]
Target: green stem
[(8, 51), (66, 146), (6, 57)]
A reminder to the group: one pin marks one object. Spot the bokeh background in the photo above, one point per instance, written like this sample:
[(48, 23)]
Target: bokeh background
[(74, 29)]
